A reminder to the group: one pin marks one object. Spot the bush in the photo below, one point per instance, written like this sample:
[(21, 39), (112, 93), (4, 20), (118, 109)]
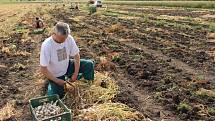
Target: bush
[(92, 9), (183, 107)]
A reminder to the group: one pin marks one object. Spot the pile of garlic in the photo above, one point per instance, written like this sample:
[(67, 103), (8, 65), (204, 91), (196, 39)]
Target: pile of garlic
[(47, 110)]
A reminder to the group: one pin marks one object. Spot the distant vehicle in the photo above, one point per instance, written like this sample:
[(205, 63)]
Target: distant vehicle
[(98, 3)]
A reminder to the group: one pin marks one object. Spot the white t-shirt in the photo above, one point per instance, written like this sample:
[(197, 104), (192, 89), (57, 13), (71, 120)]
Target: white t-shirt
[(55, 56)]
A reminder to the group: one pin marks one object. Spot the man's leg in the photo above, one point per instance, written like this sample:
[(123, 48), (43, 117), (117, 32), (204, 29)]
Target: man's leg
[(86, 68), (53, 88)]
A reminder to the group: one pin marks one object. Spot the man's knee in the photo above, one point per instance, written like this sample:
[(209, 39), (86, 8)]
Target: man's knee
[(90, 64), (88, 70), (87, 63)]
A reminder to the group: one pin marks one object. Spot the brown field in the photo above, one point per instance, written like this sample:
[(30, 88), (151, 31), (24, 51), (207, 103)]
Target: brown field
[(160, 61)]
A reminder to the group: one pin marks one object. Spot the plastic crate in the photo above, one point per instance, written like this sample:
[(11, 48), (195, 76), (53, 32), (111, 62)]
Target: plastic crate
[(35, 102)]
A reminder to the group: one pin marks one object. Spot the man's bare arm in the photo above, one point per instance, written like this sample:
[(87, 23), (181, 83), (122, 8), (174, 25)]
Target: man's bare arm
[(77, 67), (77, 63), (48, 75)]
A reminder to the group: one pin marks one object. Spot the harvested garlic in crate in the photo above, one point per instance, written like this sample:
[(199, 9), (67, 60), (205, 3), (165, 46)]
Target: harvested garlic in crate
[(47, 110)]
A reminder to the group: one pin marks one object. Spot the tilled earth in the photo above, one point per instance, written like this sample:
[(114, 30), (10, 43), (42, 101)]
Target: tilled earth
[(160, 67), (169, 62)]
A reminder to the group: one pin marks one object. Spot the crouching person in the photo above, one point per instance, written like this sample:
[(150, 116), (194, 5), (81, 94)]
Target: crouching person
[(38, 24), (55, 60)]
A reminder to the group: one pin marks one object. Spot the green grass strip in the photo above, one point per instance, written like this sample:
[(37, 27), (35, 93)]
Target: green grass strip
[(186, 4)]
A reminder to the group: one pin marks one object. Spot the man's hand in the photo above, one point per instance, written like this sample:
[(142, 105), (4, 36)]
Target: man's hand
[(74, 77), (60, 82), (69, 87)]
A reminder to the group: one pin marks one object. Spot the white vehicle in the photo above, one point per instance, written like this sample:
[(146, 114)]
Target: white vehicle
[(98, 3)]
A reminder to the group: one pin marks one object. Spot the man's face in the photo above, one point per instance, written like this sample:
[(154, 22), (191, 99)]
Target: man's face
[(61, 38)]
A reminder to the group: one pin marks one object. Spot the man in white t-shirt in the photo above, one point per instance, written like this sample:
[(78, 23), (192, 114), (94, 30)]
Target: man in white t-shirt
[(55, 60)]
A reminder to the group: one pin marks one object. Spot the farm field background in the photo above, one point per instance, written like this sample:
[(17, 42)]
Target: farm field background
[(157, 59)]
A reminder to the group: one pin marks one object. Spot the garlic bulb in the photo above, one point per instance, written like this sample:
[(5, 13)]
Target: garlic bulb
[(47, 110)]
